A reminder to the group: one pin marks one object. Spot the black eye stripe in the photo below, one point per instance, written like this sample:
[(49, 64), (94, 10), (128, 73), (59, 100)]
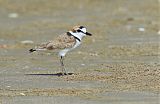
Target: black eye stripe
[(80, 31), (81, 27)]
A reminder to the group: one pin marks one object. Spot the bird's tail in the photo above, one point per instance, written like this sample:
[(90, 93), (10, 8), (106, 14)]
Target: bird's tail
[(41, 47), (36, 49), (32, 50)]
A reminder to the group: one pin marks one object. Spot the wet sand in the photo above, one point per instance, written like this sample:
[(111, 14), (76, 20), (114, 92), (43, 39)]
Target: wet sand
[(119, 64)]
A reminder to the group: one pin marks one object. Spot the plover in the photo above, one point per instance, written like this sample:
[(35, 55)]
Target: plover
[(64, 43)]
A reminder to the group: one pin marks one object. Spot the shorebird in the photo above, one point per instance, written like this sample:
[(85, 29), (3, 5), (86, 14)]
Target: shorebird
[(64, 43)]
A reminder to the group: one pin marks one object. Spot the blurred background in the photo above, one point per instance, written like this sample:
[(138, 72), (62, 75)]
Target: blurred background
[(125, 39), (120, 27)]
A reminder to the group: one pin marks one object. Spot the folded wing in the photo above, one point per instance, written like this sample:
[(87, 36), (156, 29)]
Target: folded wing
[(61, 42)]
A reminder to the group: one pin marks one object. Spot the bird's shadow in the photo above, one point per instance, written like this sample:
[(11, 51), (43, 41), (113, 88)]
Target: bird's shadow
[(56, 74)]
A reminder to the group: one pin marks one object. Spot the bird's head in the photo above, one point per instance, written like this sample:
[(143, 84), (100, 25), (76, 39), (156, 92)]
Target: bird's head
[(80, 30)]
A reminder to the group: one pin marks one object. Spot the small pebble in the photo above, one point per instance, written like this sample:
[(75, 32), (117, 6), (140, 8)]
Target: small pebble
[(27, 42), (22, 94), (83, 64), (13, 15), (141, 29)]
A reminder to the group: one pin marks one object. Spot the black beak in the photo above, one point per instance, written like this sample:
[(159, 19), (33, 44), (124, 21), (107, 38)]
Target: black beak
[(89, 34)]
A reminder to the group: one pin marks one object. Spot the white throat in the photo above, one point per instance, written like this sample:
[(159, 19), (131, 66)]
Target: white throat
[(78, 35)]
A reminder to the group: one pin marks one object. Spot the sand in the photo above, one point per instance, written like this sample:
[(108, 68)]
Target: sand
[(119, 64)]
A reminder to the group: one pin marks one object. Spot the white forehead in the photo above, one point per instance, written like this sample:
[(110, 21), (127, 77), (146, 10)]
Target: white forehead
[(84, 30)]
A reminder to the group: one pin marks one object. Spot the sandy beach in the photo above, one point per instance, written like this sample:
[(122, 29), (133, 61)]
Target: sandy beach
[(119, 64)]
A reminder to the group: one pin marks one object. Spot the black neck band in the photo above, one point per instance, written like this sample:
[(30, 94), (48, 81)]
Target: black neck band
[(69, 34)]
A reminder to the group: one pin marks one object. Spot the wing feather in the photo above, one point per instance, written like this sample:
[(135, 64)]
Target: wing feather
[(61, 42)]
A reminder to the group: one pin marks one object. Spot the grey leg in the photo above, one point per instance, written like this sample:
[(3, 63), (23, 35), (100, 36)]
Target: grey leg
[(62, 65)]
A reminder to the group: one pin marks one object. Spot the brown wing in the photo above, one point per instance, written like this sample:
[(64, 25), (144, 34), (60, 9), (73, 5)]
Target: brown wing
[(61, 42)]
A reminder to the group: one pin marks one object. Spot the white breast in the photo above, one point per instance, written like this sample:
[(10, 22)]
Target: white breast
[(76, 45), (64, 51)]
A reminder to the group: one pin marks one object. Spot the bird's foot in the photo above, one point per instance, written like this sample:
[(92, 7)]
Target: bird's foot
[(64, 73)]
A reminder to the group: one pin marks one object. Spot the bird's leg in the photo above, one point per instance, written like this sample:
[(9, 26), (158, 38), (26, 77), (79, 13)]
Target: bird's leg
[(62, 65)]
